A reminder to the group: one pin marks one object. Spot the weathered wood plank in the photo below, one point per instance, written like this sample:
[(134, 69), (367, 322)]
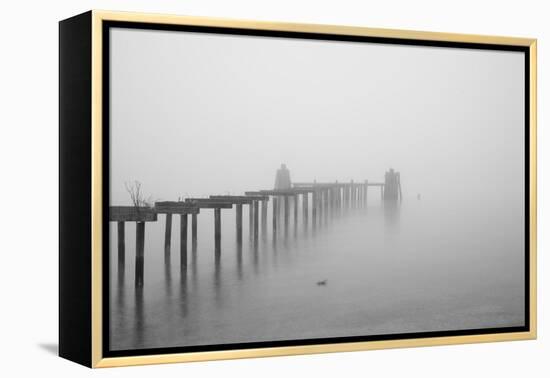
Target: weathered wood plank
[(286, 192), (299, 185), (234, 200), (249, 196), (131, 214), (207, 203), (175, 207)]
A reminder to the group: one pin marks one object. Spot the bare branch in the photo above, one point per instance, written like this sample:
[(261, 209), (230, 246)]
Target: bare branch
[(136, 195)]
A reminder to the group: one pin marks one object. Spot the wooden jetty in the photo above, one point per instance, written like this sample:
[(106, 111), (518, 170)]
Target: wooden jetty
[(318, 200)]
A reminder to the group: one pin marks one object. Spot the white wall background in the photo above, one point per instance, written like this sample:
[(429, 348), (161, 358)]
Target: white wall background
[(28, 152)]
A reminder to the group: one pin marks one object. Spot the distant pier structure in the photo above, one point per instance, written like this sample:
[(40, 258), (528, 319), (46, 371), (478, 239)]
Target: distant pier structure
[(392, 186), (282, 178), (282, 182), (319, 201)]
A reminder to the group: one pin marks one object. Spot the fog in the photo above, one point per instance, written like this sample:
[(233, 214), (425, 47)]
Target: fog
[(200, 114), (203, 114)]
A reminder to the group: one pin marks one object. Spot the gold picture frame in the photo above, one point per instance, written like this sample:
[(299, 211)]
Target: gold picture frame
[(90, 328)]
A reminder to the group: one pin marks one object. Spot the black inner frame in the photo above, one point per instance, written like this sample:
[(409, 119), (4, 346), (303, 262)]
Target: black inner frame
[(107, 25)]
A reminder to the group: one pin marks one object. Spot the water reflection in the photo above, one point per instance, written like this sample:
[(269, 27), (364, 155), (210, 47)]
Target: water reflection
[(217, 279), (218, 300), (255, 255), (139, 322), (239, 253), (183, 293), (194, 260), (391, 216), (120, 292)]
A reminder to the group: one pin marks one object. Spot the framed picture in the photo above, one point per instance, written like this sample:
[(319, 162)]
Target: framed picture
[(236, 189)]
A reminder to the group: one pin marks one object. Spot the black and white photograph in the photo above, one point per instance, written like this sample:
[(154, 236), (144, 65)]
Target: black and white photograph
[(285, 190)]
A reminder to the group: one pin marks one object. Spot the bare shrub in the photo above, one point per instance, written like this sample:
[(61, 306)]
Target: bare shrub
[(136, 195)]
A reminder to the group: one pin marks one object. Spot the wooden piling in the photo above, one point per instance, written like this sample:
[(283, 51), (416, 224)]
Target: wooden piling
[(217, 229), (264, 217), (256, 219), (353, 192), (239, 222), (251, 220), (320, 194), (121, 240), (194, 232), (274, 215), (314, 208), (345, 197), (305, 198), (183, 241), (168, 234), (140, 249), (295, 210), (286, 212), (327, 202)]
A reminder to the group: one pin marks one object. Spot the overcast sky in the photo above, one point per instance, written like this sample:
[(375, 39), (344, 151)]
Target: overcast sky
[(199, 114)]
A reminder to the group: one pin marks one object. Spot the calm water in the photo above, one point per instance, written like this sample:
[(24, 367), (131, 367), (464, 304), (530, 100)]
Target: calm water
[(427, 266)]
